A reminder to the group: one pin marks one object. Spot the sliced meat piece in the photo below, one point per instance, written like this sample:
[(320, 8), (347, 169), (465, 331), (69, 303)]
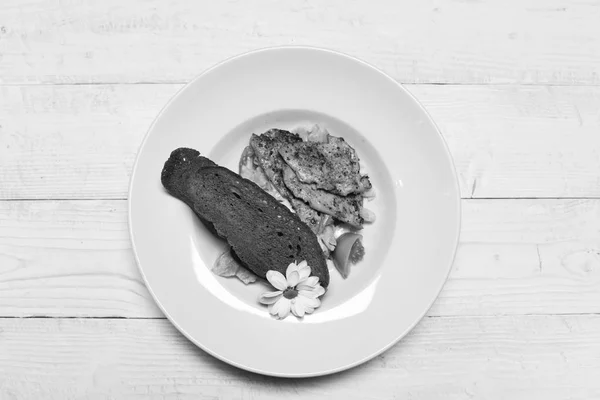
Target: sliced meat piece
[(306, 214), (266, 150), (332, 166), (250, 169), (344, 208)]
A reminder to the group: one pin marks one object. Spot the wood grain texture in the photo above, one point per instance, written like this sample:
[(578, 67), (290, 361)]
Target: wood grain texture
[(73, 141), (526, 357), (69, 259), (555, 41), (519, 317), (80, 141), (73, 258)]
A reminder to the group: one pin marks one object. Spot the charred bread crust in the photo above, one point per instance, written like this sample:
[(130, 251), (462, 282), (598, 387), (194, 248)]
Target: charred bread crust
[(263, 234), (179, 168)]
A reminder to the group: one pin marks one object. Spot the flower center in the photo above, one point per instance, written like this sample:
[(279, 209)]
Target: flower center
[(290, 293)]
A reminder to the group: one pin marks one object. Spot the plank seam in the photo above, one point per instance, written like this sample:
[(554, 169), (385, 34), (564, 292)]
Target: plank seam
[(587, 314), (183, 82)]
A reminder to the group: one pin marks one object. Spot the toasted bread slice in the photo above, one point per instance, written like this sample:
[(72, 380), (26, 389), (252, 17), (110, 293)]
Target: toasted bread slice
[(263, 234), (178, 169)]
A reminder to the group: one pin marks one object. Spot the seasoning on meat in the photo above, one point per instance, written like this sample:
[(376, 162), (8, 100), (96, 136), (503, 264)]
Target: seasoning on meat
[(332, 166), (266, 150), (344, 208)]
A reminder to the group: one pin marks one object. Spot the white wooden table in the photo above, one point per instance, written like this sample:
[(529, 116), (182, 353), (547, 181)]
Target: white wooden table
[(513, 85)]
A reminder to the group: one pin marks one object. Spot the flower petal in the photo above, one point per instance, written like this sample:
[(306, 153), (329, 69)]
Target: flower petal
[(284, 308), (277, 279), (308, 293), (308, 301), (298, 309), (304, 270), (309, 283), (274, 308), (308, 304), (291, 267), (269, 297), (293, 276), (302, 264), (320, 290)]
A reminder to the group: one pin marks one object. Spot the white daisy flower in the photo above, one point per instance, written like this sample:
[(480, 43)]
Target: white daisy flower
[(297, 291)]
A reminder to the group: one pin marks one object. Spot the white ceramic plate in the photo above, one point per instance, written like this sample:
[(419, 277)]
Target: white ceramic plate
[(409, 248)]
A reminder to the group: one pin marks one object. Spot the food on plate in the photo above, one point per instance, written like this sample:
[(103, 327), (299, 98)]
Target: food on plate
[(344, 208), (331, 165), (266, 151), (263, 233), (295, 207), (349, 250), (296, 291), (318, 176), (227, 266)]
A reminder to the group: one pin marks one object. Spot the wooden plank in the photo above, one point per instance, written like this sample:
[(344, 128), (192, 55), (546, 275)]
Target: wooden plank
[(80, 141), (520, 141), (69, 259), (73, 141), (525, 257), (515, 41), (526, 357), (73, 258)]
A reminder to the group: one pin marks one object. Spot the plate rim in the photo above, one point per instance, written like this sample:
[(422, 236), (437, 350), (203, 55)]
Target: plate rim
[(449, 263)]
